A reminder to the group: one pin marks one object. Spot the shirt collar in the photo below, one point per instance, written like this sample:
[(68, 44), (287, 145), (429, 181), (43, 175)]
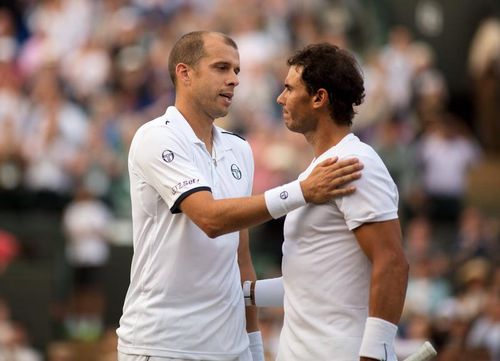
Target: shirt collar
[(174, 115), (348, 138)]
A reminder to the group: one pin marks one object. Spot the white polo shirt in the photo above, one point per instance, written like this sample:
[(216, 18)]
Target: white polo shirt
[(185, 298), (326, 275)]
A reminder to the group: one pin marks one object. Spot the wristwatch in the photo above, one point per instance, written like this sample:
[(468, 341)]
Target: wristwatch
[(249, 293)]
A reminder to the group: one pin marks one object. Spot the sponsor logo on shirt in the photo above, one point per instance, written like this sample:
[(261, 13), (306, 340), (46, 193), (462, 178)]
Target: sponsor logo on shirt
[(179, 186), (167, 155), (236, 172)]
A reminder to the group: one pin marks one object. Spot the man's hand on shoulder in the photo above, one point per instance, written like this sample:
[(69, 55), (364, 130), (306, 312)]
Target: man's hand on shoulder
[(329, 180)]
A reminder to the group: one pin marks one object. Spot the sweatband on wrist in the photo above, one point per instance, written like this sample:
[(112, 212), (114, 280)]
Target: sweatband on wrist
[(269, 292), (283, 199), (378, 339), (248, 294), (256, 346)]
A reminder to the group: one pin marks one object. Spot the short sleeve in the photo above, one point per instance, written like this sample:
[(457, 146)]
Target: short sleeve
[(165, 163), (376, 196)]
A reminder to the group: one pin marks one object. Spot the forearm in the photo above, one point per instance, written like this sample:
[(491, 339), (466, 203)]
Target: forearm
[(388, 289), (387, 293), (381, 242), (221, 216), (232, 214), (247, 272)]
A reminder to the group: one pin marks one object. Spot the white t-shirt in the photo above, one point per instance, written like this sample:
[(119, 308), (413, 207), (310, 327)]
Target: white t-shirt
[(326, 275), (185, 298)]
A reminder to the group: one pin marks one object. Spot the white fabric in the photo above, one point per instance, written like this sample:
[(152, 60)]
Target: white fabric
[(325, 273), (184, 298), (378, 340), (446, 162), (86, 222), (283, 199), (245, 356), (256, 346), (269, 292)]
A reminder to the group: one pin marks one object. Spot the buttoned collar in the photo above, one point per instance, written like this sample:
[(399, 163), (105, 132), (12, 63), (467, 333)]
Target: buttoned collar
[(174, 116)]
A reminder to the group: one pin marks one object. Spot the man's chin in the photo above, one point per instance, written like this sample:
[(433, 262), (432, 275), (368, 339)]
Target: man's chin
[(221, 114)]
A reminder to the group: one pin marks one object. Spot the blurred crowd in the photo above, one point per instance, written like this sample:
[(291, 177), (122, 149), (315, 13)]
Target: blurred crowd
[(78, 77)]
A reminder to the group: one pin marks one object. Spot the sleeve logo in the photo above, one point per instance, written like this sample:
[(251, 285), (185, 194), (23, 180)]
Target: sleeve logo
[(167, 155), (235, 170), (179, 186)]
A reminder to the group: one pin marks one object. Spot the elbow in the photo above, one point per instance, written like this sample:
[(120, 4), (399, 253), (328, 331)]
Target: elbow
[(211, 228), (211, 221), (213, 232)]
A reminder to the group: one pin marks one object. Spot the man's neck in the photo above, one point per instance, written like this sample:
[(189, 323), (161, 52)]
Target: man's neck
[(200, 122), (327, 135)]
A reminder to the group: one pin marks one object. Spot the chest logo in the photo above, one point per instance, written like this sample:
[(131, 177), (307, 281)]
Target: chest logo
[(236, 171), (167, 155)]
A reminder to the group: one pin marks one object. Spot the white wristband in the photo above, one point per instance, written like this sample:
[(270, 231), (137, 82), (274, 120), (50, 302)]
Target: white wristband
[(269, 292), (378, 339), (283, 199), (256, 346)]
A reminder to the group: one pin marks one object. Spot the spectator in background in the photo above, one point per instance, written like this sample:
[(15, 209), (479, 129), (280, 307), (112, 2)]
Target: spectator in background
[(14, 343), (398, 62), (55, 134), (86, 221), (416, 330), (87, 69), (485, 330), (13, 110), (484, 69), (446, 152), (426, 290), (475, 238), (393, 145)]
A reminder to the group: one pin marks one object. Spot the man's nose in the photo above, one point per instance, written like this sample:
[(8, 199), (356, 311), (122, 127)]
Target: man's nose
[(281, 99), (233, 80)]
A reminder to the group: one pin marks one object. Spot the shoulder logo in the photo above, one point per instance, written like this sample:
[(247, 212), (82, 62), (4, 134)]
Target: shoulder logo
[(235, 170), (167, 155)]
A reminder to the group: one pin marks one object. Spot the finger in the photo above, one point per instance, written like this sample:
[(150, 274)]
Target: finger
[(341, 180), (355, 168), (347, 161), (339, 192), (353, 162), (327, 162)]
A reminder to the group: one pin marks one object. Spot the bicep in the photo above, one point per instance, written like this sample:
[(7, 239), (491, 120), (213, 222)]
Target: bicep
[(196, 205), (380, 240)]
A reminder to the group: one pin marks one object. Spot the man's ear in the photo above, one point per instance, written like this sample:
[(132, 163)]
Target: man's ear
[(320, 99), (182, 71)]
